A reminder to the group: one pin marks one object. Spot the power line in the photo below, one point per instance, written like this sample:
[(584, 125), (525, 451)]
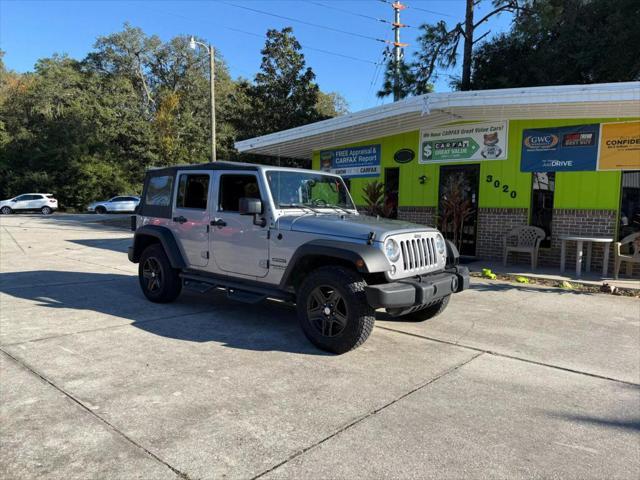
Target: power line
[(356, 14), (253, 34), (317, 25), (422, 9)]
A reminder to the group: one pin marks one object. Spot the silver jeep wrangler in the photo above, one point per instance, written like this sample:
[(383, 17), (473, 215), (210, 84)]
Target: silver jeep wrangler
[(266, 232)]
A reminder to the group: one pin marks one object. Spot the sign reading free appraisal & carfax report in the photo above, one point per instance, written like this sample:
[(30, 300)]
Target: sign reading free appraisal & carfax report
[(352, 162), (455, 143)]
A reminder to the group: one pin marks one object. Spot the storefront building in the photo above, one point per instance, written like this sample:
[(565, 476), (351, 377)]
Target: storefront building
[(478, 164)]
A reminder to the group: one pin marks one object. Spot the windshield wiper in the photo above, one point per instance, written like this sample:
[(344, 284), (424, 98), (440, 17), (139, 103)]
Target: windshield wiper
[(301, 206), (338, 207)]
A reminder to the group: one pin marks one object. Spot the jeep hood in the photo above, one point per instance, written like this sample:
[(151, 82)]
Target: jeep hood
[(349, 226)]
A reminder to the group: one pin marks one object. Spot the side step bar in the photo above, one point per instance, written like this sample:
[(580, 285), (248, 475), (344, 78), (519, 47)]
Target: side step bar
[(236, 290)]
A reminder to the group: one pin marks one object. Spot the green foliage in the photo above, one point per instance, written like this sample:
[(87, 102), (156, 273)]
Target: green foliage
[(560, 42), (373, 194), (88, 129)]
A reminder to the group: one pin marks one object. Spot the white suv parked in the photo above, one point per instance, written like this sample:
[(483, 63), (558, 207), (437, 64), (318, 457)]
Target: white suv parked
[(44, 203)]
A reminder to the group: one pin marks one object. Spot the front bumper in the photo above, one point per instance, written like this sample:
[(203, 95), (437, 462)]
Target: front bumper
[(416, 291)]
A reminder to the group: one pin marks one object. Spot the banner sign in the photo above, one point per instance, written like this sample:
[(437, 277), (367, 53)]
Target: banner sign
[(619, 146), (560, 149), (455, 143), (352, 162)]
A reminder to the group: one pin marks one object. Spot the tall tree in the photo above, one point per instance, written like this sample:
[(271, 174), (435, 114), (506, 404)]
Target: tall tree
[(563, 42), (284, 94), (439, 46)]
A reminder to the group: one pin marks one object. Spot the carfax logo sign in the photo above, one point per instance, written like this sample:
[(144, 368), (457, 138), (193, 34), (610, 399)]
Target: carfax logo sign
[(561, 149), (475, 141), (352, 162)]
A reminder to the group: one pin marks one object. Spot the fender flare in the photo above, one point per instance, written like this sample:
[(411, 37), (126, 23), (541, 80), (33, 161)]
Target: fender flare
[(365, 258), (166, 239)]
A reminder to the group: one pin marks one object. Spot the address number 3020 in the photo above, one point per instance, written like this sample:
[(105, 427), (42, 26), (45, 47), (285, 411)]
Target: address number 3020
[(505, 188)]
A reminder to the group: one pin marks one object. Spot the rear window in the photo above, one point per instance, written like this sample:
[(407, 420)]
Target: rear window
[(49, 196), (159, 191)]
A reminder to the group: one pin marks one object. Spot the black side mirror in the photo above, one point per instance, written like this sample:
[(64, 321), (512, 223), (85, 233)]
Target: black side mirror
[(250, 206)]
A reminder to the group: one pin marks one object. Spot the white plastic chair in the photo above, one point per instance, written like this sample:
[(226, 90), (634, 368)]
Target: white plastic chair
[(630, 257), (527, 240)]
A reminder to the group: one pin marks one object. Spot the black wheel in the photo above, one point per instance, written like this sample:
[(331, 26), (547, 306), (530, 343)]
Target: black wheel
[(333, 309), (160, 282), (6, 210), (429, 312), (46, 210), (101, 210)]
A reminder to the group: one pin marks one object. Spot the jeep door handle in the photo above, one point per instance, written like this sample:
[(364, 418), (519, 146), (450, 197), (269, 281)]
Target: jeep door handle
[(180, 219), (218, 222)]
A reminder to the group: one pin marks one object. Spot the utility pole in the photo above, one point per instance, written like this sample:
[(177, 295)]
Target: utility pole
[(212, 97), (212, 66), (397, 48)]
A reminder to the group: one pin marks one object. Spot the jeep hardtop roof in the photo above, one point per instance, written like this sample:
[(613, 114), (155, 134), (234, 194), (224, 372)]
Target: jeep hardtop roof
[(226, 165)]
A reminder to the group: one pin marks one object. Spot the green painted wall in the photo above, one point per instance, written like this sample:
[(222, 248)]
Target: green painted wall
[(579, 190)]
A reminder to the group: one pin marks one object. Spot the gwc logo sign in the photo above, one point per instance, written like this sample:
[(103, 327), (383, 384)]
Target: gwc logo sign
[(536, 142)]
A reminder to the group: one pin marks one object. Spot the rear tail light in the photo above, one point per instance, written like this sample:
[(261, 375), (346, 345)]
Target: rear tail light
[(53, 201)]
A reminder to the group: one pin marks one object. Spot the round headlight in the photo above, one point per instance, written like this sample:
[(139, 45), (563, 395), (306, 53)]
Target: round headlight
[(392, 249), (440, 244)]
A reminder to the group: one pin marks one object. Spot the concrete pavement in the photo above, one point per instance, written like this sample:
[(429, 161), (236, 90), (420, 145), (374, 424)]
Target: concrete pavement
[(96, 382)]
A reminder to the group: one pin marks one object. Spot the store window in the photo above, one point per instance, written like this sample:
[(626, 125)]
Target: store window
[(629, 204), (542, 192)]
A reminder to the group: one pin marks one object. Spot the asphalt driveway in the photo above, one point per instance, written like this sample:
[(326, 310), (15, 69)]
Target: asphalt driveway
[(96, 382)]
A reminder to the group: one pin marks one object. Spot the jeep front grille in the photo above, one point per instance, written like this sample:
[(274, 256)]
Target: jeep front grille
[(418, 254)]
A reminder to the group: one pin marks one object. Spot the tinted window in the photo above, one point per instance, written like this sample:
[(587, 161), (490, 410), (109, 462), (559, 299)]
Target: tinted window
[(131, 199), (36, 197), (193, 191), (233, 188), (22, 198), (117, 199), (159, 191)]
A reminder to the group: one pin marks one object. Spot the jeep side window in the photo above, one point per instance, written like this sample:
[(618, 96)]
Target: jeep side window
[(159, 191), (235, 187), (193, 190)]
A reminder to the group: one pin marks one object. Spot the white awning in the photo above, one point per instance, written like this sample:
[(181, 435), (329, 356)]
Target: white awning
[(614, 100)]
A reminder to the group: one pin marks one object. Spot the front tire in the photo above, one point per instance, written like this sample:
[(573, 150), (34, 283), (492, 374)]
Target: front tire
[(159, 281), (333, 310), (101, 210), (6, 210), (46, 210), (429, 312)]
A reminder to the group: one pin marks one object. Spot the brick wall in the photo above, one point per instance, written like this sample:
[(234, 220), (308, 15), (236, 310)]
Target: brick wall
[(423, 215), (493, 225)]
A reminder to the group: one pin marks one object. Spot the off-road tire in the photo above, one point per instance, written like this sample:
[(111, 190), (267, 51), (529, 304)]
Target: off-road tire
[(101, 210), (46, 210), (170, 284), (360, 316), (429, 312), (6, 210)]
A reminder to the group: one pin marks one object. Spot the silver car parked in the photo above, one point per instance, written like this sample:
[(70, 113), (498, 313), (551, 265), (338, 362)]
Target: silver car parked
[(116, 204)]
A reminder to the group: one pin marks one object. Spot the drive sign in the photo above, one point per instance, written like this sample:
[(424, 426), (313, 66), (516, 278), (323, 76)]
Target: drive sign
[(560, 149)]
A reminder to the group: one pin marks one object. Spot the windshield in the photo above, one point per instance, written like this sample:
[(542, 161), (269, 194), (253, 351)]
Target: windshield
[(305, 189)]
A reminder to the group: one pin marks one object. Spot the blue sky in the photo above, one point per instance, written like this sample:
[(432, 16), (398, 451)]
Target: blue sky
[(30, 30)]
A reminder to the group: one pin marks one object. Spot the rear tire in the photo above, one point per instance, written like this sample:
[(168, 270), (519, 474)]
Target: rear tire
[(101, 210), (6, 210), (333, 310), (46, 210), (429, 312), (159, 281)]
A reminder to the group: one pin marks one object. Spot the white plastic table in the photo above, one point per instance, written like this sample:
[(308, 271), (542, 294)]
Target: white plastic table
[(580, 241)]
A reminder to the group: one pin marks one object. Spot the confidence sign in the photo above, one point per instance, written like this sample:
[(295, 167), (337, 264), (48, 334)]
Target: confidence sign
[(352, 162), (473, 141)]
